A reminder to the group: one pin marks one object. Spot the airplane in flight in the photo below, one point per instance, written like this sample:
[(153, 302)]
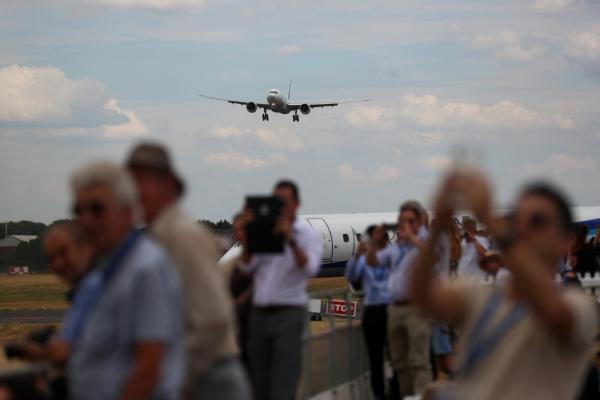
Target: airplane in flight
[(341, 234), (278, 103)]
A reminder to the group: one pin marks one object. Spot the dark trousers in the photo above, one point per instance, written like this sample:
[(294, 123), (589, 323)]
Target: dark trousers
[(275, 352), (375, 332)]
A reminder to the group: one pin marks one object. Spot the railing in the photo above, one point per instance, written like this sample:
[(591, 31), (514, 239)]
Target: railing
[(335, 359)]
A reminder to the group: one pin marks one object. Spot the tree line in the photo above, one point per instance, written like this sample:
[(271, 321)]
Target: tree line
[(31, 254)]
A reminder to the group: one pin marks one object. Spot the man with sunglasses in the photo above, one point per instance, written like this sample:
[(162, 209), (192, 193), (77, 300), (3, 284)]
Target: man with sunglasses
[(213, 368), (124, 329), (408, 330), (527, 339)]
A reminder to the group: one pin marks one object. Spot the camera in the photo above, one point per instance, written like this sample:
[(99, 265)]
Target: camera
[(260, 235), (15, 350)]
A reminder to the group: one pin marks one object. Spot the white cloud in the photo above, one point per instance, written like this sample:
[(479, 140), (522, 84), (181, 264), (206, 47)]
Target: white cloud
[(386, 173), (382, 174), (552, 6), (235, 160), (362, 115), (349, 174), (288, 49), (133, 127), (562, 165), (437, 162), (427, 112), (44, 97), (584, 49), (280, 139), (508, 45), (159, 5), (227, 132)]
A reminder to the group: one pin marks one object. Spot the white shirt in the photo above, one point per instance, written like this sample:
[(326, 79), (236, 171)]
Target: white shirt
[(400, 257), (278, 279), (468, 266)]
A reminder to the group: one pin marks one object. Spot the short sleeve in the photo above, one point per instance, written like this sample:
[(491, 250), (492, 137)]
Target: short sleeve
[(585, 310), (151, 305)]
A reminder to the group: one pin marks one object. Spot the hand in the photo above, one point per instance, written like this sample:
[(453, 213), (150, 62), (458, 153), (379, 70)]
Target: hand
[(362, 249), (283, 227), (469, 236), (477, 194), (406, 234)]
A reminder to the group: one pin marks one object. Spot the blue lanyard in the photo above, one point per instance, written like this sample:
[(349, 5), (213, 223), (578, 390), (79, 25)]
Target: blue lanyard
[(480, 345), (91, 289)]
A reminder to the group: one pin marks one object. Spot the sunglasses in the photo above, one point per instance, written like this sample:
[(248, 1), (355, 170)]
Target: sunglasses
[(408, 221), (95, 208)]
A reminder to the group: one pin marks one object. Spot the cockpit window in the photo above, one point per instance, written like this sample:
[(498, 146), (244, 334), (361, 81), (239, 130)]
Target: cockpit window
[(273, 91)]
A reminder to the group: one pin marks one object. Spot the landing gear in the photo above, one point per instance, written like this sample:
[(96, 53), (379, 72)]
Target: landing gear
[(265, 116), (296, 117)]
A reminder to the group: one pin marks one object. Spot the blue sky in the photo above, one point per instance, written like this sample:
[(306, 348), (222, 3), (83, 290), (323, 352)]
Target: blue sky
[(518, 81)]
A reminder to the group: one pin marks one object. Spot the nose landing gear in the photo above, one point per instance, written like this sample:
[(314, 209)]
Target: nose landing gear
[(296, 117), (265, 116)]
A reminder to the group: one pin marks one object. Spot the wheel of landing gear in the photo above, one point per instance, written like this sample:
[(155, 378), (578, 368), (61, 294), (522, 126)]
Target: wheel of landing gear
[(266, 117)]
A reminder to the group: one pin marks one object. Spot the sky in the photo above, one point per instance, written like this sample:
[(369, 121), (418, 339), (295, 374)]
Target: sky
[(513, 85)]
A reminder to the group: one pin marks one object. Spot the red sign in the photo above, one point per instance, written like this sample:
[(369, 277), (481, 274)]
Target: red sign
[(342, 308)]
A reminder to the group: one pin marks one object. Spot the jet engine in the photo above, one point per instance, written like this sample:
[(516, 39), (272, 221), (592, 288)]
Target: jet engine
[(305, 109), (251, 107)]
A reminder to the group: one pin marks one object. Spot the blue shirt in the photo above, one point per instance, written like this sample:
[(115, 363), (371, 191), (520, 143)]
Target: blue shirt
[(374, 280), (140, 303), (400, 258)]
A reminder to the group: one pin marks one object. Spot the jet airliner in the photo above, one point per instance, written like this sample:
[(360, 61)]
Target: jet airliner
[(278, 103)]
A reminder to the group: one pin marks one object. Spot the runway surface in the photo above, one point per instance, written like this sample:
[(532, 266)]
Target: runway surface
[(32, 316)]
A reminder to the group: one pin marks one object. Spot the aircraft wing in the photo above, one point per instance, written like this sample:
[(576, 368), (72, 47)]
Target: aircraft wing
[(243, 103), (323, 105)]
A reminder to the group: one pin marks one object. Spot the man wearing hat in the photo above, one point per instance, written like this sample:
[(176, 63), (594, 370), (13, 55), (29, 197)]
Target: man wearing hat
[(492, 264), (213, 369)]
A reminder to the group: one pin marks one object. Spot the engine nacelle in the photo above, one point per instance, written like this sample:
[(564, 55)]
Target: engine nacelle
[(305, 109), (251, 107)]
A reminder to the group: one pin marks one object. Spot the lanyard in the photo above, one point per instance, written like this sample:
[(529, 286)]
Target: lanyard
[(91, 289), (480, 345)]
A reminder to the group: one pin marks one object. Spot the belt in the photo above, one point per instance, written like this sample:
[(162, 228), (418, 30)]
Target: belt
[(401, 303), (276, 308)]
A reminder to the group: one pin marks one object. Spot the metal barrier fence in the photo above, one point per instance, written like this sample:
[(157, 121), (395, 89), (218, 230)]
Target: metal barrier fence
[(335, 359)]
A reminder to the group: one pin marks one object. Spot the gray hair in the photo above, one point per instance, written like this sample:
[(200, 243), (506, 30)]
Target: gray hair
[(117, 179)]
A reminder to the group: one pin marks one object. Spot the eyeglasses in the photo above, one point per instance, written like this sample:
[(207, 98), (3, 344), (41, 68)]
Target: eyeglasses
[(95, 208)]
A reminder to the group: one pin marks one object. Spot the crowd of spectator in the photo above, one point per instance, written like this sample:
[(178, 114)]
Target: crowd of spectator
[(152, 316)]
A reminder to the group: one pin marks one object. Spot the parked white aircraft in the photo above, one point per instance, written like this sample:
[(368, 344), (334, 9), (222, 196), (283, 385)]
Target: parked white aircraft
[(341, 234), (278, 103)]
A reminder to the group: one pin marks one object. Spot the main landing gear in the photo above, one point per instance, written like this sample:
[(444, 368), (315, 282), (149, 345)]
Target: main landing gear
[(265, 116), (296, 117)]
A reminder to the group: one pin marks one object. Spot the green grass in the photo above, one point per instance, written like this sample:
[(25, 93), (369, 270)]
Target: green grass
[(32, 292)]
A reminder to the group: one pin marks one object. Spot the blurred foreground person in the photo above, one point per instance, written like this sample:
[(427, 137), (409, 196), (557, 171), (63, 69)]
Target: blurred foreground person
[(124, 330), (213, 370), (374, 282), (279, 300), (528, 339), (408, 329)]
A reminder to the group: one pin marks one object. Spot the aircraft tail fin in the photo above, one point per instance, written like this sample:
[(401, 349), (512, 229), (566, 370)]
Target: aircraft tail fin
[(290, 90)]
